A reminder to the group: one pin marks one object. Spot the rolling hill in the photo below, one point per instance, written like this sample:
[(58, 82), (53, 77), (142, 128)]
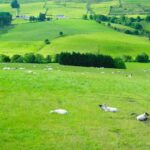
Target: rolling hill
[(79, 35)]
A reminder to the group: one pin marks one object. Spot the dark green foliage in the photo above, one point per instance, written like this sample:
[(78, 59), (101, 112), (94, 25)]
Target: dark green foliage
[(128, 31), (4, 58), (42, 17), (48, 59), (15, 4), (61, 33), (39, 58), (29, 58), (17, 59), (77, 59), (47, 41), (127, 58), (5, 18), (138, 26), (119, 63), (33, 19), (147, 18), (142, 58), (85, 17)]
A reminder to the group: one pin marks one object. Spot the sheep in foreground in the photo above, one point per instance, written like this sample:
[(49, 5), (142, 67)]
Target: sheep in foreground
[(59, 111), (142, 117), (107, 108)]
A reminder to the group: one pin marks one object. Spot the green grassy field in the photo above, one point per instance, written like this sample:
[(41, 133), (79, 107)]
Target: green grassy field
[(26, 99), (79, 35)]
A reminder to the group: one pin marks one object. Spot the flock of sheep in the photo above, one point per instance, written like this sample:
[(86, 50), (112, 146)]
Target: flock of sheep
[(104, 107)]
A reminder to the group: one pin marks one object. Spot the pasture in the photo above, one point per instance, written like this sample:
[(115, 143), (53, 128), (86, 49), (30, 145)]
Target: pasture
[(79, 35), (28, 92), (26, 99)]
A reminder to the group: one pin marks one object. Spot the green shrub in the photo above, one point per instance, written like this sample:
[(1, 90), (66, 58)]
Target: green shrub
[(142, 58), (48, 59), (127, 58), (119, 63), (47, 41), (39, 58), (29, 58), (17, 59), (4, 58), (85, 17), (61, 33)]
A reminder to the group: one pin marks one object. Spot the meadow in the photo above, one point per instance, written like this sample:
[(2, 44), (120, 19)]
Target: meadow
[(26, 99), (29, 92), (79, 35)]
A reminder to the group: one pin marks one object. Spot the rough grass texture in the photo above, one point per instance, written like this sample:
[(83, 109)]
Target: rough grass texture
[(26, 99)]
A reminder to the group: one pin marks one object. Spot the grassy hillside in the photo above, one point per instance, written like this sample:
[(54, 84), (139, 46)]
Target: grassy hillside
[(79, 35), (26, 100)]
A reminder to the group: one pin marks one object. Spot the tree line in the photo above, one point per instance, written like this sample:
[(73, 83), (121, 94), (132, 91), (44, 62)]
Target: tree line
[(76, 59), (89, 60), (132, 22)]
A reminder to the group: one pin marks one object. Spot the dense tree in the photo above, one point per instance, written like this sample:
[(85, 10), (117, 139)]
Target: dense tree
[(78, 59), (147, 18), (5, 18), (42, 17), (4, 58), (15, 4), (17, 59), (142, 58)]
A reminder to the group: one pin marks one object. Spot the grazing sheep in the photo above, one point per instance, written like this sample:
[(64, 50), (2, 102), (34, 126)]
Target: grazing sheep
[(49, 69), (21, 68), (29, 72), (142, 117), (107, 108), (8, 68), (129, 75), (59, 111)]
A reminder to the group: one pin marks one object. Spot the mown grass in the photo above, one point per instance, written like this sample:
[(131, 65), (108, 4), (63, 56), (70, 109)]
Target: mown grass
[(26, 99)]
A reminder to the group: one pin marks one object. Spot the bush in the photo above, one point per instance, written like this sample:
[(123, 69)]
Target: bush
[(85, 17), (39, 58), (48, 59), (142, 58), (147, 18), (61, 33), (17, 59), (127, 58), (47, 41), (128, 32), (29, 58), (4, 58), (119, 63)]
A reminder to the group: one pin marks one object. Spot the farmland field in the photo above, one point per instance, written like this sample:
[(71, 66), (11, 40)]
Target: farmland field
[(28, 92), (26, 99), (29, 37)]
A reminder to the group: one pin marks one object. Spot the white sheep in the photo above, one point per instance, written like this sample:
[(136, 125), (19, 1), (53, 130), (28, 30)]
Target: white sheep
[(142, 117), (59, 111), (107, 108)]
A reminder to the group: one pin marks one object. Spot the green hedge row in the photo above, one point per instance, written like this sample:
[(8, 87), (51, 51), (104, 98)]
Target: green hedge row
[(27, 58), (76, 59), (89, 60)]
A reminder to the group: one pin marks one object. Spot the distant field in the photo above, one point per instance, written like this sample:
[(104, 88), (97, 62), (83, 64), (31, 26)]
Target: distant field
[(26, 99), (79, 35), (71, 10)]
